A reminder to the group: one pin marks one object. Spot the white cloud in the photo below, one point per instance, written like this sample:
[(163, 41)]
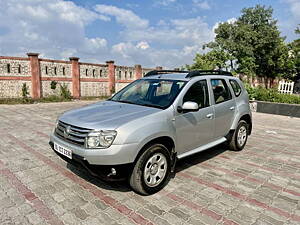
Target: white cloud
[(202, 4), (181, 39), (165, 2), (180, 32), (123, 16), (295, 8), (54, 28), (291, 21), (143, 45)]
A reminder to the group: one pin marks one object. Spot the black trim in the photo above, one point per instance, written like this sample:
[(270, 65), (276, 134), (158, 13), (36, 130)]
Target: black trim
[(158, 72), (99, 171), (190, 74), (197, 73)]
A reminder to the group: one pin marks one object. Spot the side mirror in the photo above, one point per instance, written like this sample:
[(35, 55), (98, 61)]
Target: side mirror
[(188, 107)]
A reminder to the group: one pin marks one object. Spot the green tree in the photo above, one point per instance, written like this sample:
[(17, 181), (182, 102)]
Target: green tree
[(297, 31), (214, 59), (294, 52), (254, 41)]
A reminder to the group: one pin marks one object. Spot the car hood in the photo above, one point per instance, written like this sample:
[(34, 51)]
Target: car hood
[(106, 115)]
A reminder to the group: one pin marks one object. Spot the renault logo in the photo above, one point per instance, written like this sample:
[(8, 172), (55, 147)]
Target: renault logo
[(67, 131)]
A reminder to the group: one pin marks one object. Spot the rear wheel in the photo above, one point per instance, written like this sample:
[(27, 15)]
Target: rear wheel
[(151, 171), (239, 137)]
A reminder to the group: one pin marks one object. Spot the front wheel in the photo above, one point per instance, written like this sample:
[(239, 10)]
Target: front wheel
[(151, 171), (240, 136)]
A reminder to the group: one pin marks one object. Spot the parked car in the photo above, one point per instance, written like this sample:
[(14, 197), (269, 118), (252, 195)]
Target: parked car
[(141, 131)]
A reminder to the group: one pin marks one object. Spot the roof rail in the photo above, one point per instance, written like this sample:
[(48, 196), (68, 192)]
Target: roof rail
[(158, 72), (196, 73), (190, 74)]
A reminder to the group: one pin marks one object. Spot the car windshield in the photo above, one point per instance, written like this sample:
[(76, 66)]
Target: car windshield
[(156, 93)]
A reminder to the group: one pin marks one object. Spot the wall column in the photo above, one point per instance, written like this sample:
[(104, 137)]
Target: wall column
[(36, 91), (75, 77), (111, 77), (138, 71)]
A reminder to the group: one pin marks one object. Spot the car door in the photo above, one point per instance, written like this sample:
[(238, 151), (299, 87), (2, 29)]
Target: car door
[(224, 107), (194, 129)]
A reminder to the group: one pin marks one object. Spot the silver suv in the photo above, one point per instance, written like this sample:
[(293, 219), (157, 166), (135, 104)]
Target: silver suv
[(141, 131)]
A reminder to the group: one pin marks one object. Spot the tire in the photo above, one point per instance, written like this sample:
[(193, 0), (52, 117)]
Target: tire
[(145, 175), (241, 132)]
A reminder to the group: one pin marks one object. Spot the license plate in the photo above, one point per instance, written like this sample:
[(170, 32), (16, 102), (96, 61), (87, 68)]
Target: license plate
[(62, 150)]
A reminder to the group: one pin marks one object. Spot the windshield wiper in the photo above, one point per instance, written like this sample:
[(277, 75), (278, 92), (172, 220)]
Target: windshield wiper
[(154, 106), (124, 101)]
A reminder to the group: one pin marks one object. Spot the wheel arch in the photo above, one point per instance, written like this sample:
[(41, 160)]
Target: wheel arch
[(167, 141), (247, 118)]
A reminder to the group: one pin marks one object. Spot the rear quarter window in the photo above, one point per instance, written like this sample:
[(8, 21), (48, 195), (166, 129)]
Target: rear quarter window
[(236, 87)]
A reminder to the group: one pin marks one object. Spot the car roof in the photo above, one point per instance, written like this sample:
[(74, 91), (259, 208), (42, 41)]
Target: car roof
[(182, 76)]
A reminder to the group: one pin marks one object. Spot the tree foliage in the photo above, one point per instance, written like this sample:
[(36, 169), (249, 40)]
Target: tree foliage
[(253, 43), (215, 59), (295, 51)]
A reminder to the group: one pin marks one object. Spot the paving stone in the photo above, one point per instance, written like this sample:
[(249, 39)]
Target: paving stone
[(267, 172), (34, 218), (155, 210), (99, 204)]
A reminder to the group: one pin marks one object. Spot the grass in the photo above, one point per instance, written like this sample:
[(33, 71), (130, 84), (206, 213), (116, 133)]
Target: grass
[(52, 98)]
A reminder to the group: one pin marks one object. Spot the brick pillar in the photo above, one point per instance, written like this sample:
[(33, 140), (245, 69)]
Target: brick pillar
[(138, 71), (111, 77), (75, 77), (159, 68), (36, 86)]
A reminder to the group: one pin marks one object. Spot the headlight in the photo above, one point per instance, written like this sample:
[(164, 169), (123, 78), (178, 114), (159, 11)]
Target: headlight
[(100, 139)]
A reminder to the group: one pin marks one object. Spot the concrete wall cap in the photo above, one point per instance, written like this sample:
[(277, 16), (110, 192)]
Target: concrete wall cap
[(32, 54), (74, 58)]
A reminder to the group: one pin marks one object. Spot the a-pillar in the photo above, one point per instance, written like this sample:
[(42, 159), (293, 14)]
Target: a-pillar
[(111, 76), (36, 91), (75, 77), (138, 71)]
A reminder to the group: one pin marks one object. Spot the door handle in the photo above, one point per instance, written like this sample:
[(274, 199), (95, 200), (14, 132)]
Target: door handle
[(232, 108), (209, 115)]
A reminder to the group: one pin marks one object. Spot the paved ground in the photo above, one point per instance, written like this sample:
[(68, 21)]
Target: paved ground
[(260, 185)]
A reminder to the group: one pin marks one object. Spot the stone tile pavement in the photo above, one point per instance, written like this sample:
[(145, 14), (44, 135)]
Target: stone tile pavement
[(260, 185)]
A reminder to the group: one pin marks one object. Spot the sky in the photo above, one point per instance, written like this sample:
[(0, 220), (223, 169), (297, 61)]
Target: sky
[(152, 33)]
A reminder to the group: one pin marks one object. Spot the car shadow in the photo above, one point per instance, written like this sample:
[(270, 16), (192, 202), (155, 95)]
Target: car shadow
[(122, 186), (200, 157)]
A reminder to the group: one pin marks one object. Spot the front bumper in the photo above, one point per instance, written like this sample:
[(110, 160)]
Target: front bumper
[(114, 155), (101, 171)]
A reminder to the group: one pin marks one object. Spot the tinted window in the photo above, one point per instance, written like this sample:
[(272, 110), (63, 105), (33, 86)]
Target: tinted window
[(198, 93), (220, 90), (150, 92), (236, 87)]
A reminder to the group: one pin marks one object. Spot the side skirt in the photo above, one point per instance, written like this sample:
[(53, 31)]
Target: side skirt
[(202, 148)]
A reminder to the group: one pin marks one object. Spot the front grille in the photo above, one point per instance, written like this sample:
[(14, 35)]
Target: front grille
[(71, 134)]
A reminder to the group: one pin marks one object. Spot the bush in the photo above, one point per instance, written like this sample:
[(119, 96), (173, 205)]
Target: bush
[(53, 84), (65, 92), (24, 90), (271, 95)]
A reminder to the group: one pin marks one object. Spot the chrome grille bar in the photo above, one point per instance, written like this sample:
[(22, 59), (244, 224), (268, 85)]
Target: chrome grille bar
[(73, 134)]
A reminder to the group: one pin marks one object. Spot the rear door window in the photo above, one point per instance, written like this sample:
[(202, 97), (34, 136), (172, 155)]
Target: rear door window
[(236, 87), (220, 90)]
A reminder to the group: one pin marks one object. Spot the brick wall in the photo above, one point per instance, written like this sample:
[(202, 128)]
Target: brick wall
[(82, 79)]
